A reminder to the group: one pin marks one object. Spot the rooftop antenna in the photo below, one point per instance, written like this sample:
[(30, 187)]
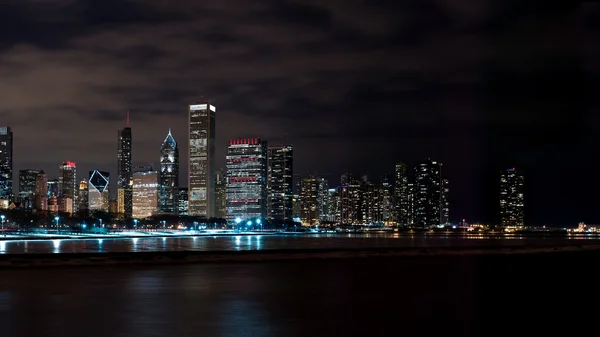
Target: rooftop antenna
[(127, 119)]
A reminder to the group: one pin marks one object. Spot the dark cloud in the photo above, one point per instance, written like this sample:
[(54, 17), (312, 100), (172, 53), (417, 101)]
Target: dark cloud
[(355, 85)]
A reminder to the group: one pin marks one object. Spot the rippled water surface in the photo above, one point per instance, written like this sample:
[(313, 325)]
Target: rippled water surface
[(421, 296), (260, 242)]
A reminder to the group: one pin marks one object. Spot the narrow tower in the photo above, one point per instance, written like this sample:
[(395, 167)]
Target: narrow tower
[(169, 176), (124, 173)]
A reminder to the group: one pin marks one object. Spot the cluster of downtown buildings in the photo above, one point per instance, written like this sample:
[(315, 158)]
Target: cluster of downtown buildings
[(259, 183)]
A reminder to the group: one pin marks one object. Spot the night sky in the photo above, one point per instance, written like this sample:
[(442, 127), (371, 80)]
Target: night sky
[(356, 86)]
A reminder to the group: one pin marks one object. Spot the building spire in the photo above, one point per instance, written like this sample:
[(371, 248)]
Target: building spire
[(127, 119)]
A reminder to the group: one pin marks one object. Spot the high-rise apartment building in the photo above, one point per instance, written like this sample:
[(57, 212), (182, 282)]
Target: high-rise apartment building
[(6, 164), (512, 198), (387, 199), (201, 167), (98, 190), (124, 171), (27, 184), (323, 201), (445, 203), (220, 195), (169, 176), (349, 193), (334, 205), (145, 193), (41, 192), (309, 196), (67, 184), (370, 204), (246, 179), (429, 196), (281, 182), (411, 204), (401, 203), (296, 202), (183, 201)]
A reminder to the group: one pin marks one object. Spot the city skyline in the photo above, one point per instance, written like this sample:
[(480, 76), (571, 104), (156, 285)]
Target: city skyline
[(477, 98)]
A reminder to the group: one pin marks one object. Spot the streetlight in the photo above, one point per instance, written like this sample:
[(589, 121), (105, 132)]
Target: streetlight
[(258, 222), (135, 221), (3, 217), (56, 218)]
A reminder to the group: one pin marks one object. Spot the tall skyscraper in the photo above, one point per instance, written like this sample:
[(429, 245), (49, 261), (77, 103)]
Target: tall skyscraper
[(429, 194), (6, 163), (53, 188), (387, 199), (67, 183), (246, 179), (309, 198), (41, 192), (201, 183), (281, 182), (334, 205), (323, 199), (296, 202), (411, 204), (145, 193), (98, 191), (401, 204), (445, 204), (349, 199), (27, 184), (124, 172), (83, 199), (512, 198), (169, 176), (220, 195)]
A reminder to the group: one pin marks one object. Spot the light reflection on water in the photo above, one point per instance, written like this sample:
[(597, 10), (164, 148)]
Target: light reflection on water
[(261, 242)]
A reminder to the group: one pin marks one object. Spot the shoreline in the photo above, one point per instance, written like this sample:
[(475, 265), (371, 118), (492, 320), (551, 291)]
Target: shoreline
[(25, 261), (49, 237)]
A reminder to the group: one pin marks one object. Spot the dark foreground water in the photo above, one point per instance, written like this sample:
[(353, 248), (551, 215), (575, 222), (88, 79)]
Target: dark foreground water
[(267, 242), (505, 295)]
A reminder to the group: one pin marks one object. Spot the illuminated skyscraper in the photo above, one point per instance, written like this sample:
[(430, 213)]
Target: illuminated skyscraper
[(6, 163), (98, 188), (124, 172), (309, 198), (41, 192), (323, 200), (401, 204), (83, 199), (67, 183), (145, 193), (512, 184), (349, 194), (27, 184), (220, 195), (334, 205), (183, 201), (281, 182), (246, 179), (183, 204), (445, 206), (201, 183), (429, 196), (169, 176)]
